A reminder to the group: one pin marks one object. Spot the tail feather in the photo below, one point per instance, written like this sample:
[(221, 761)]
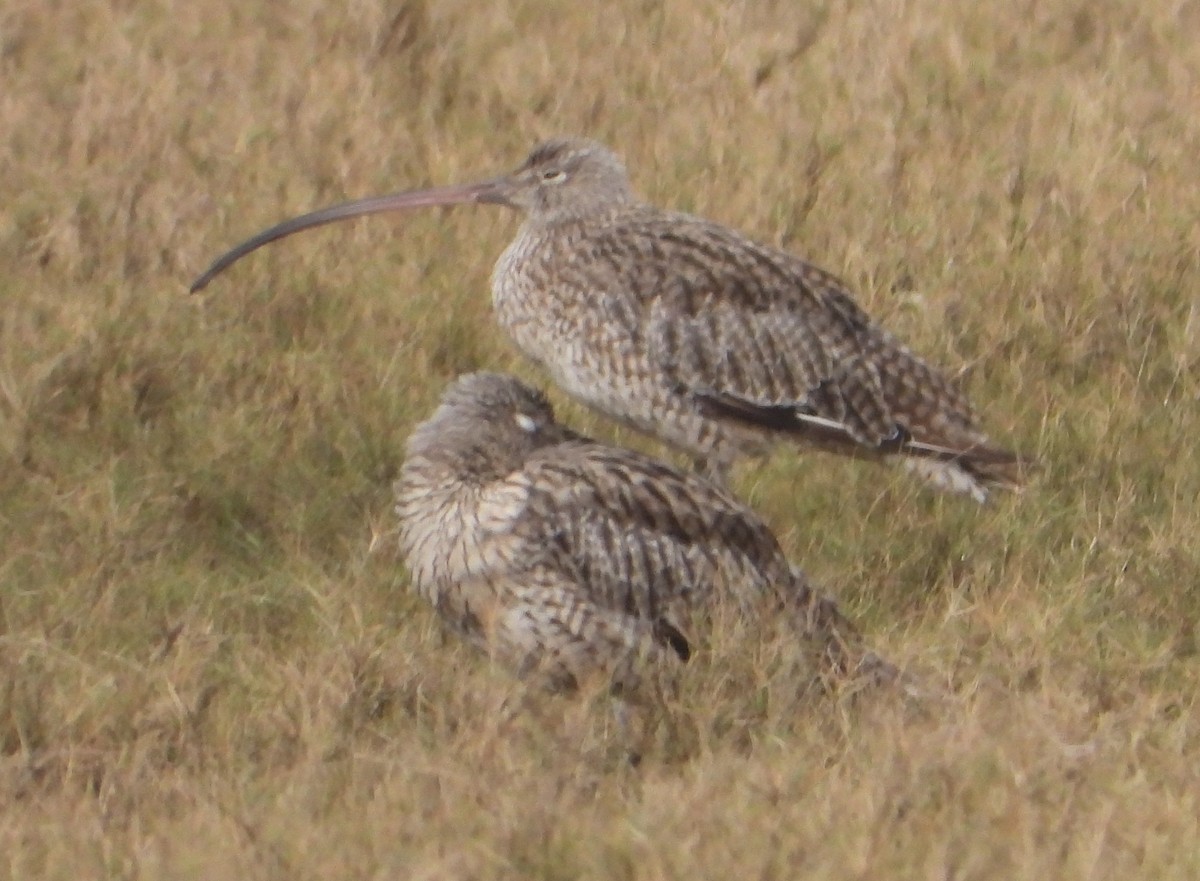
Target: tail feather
[(844, 654), (839, 645), (969, 467)]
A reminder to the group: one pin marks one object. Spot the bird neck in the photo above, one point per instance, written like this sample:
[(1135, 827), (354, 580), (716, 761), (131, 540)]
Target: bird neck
[(564, 218)]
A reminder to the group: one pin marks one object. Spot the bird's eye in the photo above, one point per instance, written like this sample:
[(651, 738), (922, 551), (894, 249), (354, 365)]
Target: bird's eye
[(554, 175), (525, 423)]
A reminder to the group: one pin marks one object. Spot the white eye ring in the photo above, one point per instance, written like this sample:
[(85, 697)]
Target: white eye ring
[(554, 176), (525, 423)]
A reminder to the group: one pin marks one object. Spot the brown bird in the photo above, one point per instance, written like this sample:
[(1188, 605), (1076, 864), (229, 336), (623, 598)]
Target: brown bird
[(689, 331), (564, 558)]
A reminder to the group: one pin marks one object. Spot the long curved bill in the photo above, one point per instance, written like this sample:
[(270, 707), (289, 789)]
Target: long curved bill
[(485, 191)]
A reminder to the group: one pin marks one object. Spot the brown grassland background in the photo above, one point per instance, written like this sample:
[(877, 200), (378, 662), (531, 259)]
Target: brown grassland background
[(210, 666)]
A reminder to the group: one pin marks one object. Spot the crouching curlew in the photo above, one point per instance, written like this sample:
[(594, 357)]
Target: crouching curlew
[(567, 559), (691, 332)]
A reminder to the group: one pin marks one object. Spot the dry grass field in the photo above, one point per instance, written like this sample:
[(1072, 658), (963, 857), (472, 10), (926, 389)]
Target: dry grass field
[(210, 666)]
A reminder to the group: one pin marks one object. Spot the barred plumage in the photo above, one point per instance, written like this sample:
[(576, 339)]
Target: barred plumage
[(563, 557), (691, 332)]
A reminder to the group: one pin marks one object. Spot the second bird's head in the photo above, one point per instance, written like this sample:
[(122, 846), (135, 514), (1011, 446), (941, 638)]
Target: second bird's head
[(485, 427), (562, 180)]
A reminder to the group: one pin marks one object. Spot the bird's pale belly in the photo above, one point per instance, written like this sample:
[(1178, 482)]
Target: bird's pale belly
[(604, 364)]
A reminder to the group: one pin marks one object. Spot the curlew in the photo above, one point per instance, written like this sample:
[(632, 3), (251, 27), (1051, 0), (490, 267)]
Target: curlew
[(691, 332), (566, 559)]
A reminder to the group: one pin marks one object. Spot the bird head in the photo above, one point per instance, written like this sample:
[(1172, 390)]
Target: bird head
[(566, 179), (485, 427), (561, 180)]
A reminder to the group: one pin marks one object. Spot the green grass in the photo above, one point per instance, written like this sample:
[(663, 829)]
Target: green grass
[(210, 666)]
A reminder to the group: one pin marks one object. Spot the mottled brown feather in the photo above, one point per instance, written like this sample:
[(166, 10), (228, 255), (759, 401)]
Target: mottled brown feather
[(650, 316), (560, 555)]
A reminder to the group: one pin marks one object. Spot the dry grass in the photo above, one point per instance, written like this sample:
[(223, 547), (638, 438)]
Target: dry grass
[(210, 665)]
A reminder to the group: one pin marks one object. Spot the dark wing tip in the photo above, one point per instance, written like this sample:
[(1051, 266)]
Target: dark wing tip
[(990, 463), (782, 418), (669, 635)]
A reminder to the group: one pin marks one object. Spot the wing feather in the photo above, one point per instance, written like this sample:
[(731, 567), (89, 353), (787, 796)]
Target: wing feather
[(767, 332), (644, 538)]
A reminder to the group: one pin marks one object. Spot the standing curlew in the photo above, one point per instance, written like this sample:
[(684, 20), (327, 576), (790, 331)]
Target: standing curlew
[(564, 558), (691, 332)]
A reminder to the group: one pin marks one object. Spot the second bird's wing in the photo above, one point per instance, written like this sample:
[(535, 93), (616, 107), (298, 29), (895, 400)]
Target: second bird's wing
[(758, 335), (645, 539)]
